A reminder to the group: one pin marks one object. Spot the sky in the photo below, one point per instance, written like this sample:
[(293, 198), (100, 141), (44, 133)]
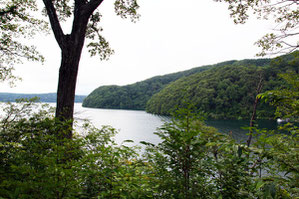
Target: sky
[(170, 36)]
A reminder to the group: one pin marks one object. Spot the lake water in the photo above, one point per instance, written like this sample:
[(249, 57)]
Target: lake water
[(140, 126), (131, 125)]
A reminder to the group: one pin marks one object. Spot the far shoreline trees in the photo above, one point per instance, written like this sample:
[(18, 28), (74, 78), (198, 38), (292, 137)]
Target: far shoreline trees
[(226, 92)]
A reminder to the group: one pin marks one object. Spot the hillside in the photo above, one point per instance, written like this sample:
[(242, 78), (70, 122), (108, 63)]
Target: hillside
[(135, 96), (225, 92), (45, 97)]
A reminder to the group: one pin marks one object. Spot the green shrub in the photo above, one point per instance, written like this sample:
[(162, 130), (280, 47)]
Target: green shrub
[(37, 162)]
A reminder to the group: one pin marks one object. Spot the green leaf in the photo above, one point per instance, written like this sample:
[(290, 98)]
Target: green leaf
[(127, 141), (272, 189), (259, 184), (239, 151)]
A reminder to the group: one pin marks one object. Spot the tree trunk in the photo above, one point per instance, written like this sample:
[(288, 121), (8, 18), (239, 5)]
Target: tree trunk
[(71, 54), (253, 116), (67, 84)]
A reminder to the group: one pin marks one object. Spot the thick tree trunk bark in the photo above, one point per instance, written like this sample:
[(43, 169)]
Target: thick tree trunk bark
[(67, 85), (71, 54)]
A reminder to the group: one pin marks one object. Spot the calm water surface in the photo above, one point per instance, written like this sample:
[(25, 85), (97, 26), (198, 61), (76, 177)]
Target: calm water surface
[(131, 125), (140, 126), (236, 127)]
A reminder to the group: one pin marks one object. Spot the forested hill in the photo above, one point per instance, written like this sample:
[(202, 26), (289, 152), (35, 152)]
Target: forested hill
[(226, 92), (135, 96), (45, 97)]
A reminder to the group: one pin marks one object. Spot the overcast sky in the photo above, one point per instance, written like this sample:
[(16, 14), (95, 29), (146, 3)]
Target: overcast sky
[(170, 36)]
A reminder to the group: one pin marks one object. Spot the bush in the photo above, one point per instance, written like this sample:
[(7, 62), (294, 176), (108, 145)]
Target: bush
[(37, 162)]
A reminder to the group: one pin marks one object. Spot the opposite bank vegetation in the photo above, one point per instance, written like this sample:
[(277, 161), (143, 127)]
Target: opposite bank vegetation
[(225, 90)]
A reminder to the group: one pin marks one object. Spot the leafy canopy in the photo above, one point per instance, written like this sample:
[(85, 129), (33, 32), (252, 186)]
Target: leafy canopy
[(17, 23), (284, 13)]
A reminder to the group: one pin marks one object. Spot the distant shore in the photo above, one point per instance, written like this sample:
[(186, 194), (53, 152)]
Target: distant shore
[(43, 97)]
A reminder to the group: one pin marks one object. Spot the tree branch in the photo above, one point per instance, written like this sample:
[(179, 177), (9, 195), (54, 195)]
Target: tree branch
[(10, 10), (55, 24), (82, 12), (91, 6), (253, 116)]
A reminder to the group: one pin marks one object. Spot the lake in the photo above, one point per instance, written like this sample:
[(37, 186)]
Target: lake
[(140, 126), (131, 125)]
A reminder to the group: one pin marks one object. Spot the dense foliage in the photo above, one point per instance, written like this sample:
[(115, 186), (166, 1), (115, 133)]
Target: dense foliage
[(224, 92), (135, 96), (36, 161)]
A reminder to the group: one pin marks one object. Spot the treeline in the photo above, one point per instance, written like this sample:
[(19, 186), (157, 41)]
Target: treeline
[(45, 97), (135, 96), (225, 92)]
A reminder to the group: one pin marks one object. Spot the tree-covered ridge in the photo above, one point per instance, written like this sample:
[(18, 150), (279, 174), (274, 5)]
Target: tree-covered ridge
[(225, 92), (135, 96)]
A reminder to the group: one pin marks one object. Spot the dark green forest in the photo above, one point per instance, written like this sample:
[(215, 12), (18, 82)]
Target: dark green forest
[(135, 96), (224, 91)]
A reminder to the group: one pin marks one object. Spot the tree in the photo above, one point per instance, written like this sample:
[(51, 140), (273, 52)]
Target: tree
[(86, 20), (286, 100), (17, 21), (278, 148), (180, 161), (284, 13)]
